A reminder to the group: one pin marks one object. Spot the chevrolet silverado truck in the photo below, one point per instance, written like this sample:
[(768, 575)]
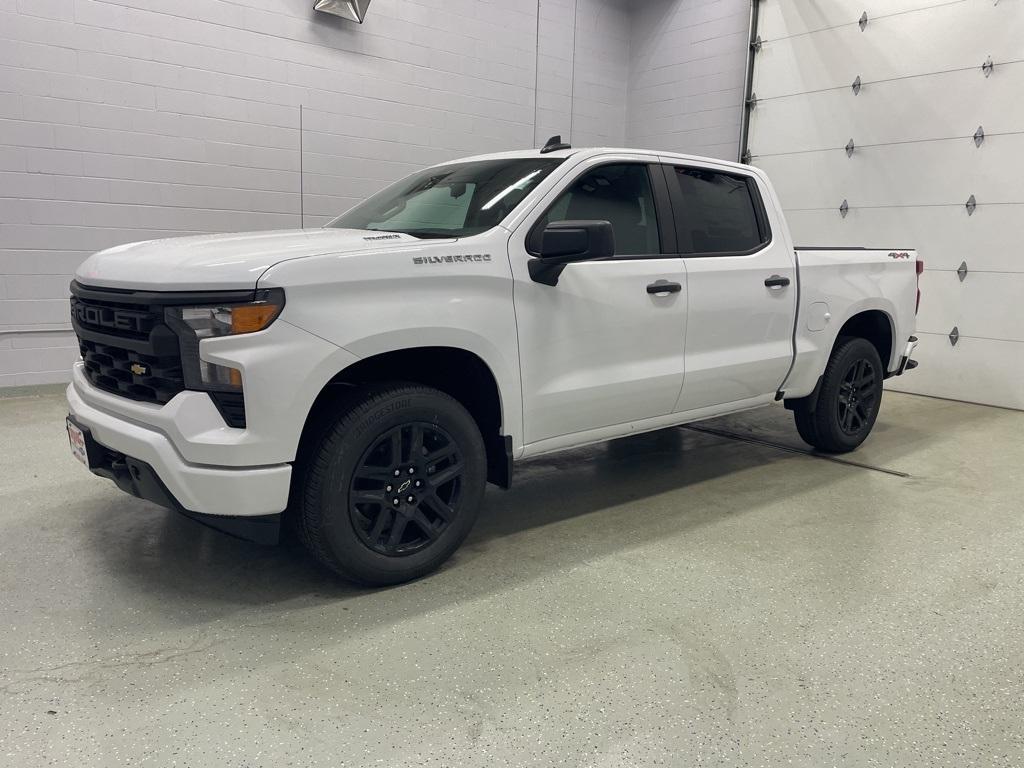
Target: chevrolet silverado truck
[(364, 381)]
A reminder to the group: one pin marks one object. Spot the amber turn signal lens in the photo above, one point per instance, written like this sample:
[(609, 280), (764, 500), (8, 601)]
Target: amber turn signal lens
[(252, 317)]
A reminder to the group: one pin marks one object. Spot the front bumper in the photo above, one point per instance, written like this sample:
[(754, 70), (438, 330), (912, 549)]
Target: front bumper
[(140, 480), (197, 489)]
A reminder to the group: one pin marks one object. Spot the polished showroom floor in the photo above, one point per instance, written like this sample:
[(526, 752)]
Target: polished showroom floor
[(681, 598)]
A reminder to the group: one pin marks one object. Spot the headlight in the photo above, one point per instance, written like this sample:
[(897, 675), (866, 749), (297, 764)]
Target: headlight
[(195, 324)]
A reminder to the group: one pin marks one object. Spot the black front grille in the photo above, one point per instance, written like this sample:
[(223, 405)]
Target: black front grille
[(132, 374), (130, 350), (127, 348)]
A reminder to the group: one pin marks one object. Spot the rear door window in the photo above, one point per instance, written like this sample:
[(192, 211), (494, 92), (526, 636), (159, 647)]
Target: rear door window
[(716, 212)]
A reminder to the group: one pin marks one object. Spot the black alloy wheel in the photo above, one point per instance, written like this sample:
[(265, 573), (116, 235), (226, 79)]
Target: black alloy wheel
[(390, 483), (840, 415), (406, 489), (857, 397)]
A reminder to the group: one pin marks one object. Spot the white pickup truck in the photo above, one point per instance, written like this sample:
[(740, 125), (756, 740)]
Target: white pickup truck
[(365, 380)]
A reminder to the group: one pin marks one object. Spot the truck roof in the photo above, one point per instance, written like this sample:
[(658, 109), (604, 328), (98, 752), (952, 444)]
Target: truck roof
[(588, 152)]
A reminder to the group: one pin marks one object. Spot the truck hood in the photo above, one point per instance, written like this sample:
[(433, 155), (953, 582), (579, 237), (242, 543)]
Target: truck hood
[(221, 262)]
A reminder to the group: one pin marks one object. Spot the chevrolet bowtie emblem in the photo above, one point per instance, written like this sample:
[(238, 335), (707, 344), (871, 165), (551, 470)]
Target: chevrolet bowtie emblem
[(139, 369)]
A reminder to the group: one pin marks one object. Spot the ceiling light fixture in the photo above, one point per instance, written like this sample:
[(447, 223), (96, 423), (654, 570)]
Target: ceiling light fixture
[(353, 10)]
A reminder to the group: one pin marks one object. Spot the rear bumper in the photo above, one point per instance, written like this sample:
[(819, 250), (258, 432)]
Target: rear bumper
[(161, 475), (907, 362)]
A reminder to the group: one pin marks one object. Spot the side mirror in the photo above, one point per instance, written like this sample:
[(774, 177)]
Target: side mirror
[(563, 242)]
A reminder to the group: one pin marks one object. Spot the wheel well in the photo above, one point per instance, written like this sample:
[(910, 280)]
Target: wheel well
[(872, 325), (456, 372), (875, 326)]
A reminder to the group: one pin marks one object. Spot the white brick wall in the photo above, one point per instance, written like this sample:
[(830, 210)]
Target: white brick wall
[(687, 67), (583, 70), (125, 120)]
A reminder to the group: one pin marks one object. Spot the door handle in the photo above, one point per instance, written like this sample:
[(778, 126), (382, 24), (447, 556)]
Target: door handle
[(777, 281), (663, 288)]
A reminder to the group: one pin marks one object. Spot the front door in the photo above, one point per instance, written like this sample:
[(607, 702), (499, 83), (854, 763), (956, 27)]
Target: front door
[(741, 285), (601, 348)]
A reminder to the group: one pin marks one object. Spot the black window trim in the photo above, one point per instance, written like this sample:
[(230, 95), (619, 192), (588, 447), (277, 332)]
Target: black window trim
[(760, 212), (662, 212)]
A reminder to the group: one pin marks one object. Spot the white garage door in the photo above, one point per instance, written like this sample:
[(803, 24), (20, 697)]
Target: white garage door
[(925, 88)]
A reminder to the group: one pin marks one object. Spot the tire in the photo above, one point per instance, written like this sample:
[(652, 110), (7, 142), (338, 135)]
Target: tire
[(347, 517), (842, 414)]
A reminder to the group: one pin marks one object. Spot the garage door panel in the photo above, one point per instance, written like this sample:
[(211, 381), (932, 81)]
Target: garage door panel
[(895, 111), (940, 303), (798, 17), (944, 236), (914, 164), (895, 46), (975, 370), (984, 305), (927, 173)]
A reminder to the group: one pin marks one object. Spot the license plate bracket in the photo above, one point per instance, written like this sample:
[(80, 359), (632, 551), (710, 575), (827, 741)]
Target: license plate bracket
[(83, 446)]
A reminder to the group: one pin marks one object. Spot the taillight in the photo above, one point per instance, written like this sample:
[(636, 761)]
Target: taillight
[(920, 269)]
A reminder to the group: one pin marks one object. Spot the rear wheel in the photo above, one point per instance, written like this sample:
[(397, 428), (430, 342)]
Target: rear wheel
[(393, 486), (841, 416)]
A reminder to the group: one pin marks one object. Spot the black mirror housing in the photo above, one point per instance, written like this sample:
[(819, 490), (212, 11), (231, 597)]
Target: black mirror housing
[(563, 242), (582, 240)]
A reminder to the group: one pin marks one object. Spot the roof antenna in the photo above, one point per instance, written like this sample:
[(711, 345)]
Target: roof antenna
[(554, 144)]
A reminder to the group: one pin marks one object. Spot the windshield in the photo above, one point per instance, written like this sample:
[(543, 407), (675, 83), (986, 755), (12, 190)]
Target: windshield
[(453, 200)]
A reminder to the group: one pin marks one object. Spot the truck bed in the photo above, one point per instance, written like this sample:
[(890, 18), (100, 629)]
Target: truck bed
[(840, 282)]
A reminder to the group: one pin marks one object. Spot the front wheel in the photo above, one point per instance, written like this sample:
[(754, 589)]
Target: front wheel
[(841, 416), (393, 486)]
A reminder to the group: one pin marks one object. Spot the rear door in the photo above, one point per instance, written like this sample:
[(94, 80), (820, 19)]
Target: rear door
[(741, 285), (604, 346)]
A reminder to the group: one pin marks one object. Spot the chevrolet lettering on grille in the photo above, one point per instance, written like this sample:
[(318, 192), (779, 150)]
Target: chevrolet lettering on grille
[(108, 317)]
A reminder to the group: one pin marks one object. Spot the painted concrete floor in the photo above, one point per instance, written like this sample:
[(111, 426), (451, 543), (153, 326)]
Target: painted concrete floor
[(678, 599)]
